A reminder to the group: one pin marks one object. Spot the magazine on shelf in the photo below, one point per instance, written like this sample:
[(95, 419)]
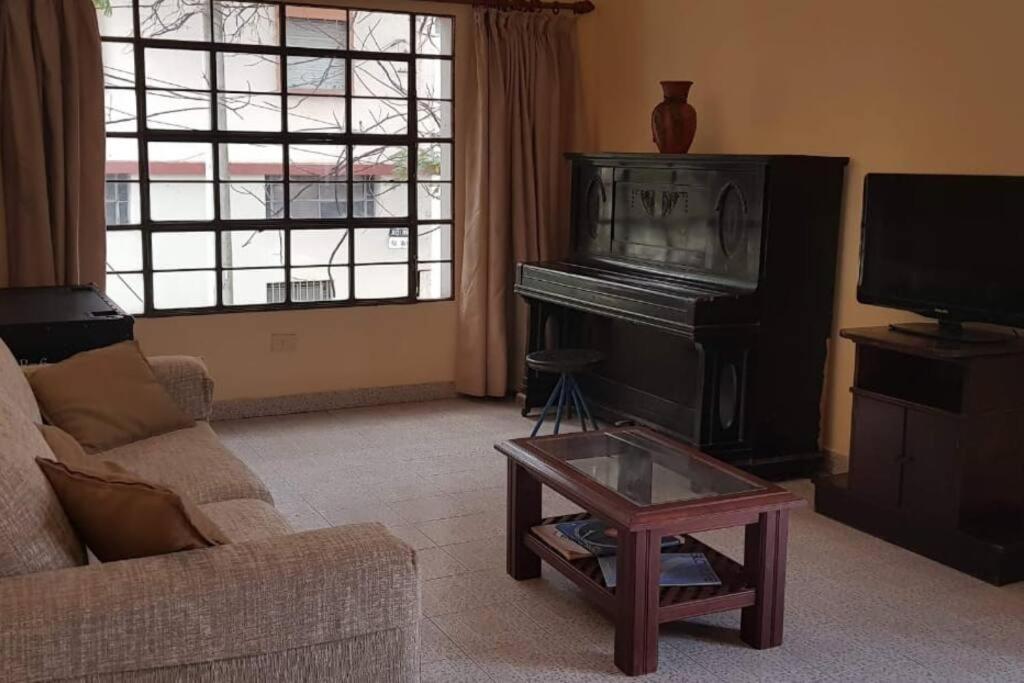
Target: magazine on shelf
[(677, 569)]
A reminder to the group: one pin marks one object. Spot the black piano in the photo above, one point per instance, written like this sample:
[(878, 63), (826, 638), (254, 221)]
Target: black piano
[(708, 283)]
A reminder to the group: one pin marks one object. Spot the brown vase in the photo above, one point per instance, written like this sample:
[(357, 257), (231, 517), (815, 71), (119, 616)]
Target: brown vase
[(674, 120)]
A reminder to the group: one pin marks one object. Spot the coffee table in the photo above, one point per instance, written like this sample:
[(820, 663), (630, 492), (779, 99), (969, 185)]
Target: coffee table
[(647, 486)]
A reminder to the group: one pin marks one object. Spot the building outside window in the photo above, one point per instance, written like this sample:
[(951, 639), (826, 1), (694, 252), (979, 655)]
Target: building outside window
[(263, 154)]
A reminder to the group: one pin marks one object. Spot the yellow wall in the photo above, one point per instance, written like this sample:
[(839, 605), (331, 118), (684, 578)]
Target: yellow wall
[(901, 86), (341, 348)]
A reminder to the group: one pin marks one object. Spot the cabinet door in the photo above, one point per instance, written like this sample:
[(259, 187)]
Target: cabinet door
[(930, 476), (876, 451)]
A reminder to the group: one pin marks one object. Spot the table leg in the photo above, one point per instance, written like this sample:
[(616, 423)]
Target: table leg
[(636, 595), (764, 556), (524, 501)]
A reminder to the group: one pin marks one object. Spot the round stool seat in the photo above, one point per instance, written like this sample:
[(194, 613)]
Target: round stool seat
[(563, 360)]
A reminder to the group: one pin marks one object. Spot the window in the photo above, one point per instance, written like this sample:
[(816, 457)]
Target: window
[(312, 199), (269, 155)]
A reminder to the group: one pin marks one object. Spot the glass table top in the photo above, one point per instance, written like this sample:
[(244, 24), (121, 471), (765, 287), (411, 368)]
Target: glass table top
[(643, 470)]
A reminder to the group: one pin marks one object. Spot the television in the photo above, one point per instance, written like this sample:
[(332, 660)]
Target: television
[(949, 247)]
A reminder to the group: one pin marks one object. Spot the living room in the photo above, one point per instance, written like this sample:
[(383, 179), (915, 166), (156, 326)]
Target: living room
[(354, 262)]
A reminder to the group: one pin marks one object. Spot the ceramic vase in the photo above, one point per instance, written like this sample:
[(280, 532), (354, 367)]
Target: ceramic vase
[(674, 120)]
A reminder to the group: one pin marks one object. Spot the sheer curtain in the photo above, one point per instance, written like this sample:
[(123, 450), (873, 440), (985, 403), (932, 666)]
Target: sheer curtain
[(517, 183), (52, 220)]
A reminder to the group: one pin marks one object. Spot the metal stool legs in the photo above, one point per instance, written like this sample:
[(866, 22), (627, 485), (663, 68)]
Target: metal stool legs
[(568, 395)]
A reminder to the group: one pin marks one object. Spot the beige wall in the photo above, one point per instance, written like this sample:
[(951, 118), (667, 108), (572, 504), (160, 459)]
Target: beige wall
[(911, 85), (341, 348)]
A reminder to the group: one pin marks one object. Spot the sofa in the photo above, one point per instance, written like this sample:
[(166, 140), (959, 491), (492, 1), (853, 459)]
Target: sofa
[(338, 604)]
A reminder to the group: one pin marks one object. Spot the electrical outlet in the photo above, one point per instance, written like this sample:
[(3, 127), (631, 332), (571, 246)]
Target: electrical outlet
[(283, 342)]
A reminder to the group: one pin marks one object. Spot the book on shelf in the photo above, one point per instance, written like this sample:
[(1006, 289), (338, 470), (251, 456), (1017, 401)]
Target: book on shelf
[(560, 543), (677, 569)]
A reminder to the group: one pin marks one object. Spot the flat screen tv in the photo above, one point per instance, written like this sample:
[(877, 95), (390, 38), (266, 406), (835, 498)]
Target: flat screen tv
[(949, 247)]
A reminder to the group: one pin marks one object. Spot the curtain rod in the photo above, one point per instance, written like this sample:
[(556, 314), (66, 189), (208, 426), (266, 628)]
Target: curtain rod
[(578, 7)]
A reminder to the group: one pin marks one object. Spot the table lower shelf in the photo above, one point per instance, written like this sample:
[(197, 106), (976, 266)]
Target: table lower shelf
[(676, 602)]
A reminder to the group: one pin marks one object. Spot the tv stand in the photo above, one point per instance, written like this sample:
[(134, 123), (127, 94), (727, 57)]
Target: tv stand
[(936, 450), (953, 331)]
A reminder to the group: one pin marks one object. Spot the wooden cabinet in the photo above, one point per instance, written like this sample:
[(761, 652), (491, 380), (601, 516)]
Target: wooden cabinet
[(936, 451)]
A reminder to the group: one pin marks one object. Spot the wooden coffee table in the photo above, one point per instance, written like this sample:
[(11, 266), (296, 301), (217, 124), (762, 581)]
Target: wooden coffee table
[(647, 486)]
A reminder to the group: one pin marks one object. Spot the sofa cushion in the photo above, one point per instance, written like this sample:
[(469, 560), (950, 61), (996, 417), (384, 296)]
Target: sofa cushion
[(120, 516), (35, 535), (15, 387), (106, 397), (194, 463), (246, 519)]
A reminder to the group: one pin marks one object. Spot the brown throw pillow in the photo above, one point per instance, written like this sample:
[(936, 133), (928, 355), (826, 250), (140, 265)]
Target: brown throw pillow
[(120, 517), (106, 397)]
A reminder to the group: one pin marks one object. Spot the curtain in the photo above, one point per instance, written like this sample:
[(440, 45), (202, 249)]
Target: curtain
[(517, 189), (52, 218)]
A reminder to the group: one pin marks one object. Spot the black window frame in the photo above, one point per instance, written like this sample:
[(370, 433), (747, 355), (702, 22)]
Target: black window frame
[(411, 140)]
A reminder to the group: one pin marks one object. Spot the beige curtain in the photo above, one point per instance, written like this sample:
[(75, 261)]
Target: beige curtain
[(517, 188), (51, 144)]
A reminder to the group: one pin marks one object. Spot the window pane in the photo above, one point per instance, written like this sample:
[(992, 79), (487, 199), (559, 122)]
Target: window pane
[(382, 282), (325, 75), (116, 22), (382, 245), (316, 27), (242, 161), (250, 201), (434, 119), (434, 79), (127, 290), (176, 250), (310, 114), (121, 201), (187, 69), (245, 248), (119, 110), (239, 111), (118, 64), (380, 32), (177, 110), (434, 201), (319, 200), (180, 160), (435, 281), (434, 35), (319, 247), (435, 161), (381, 162), (248, 72), (380, 117), (379, 78), (380, 200), (181, 201), (191, 289), (435, 242), (319, 162), (124, 250), (250, 23), (320, 284), (123, 157), (174, 19), (248, 287)]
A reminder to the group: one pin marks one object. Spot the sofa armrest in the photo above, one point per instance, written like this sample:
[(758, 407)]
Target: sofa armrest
[(231, 601), (187, 381)]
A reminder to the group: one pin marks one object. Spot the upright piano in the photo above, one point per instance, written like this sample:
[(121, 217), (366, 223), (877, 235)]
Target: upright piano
[(707, 280)]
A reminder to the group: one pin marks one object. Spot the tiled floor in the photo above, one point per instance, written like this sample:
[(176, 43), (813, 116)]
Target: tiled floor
[(858, 609)]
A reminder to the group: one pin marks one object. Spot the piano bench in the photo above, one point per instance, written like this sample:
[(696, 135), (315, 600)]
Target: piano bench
[(566, 394)]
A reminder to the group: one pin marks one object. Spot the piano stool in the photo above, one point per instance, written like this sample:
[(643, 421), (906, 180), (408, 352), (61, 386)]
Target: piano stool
[(565, 362)]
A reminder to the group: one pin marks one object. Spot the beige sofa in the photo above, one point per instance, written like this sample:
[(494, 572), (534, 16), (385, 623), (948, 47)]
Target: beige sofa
[(337, 604)]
